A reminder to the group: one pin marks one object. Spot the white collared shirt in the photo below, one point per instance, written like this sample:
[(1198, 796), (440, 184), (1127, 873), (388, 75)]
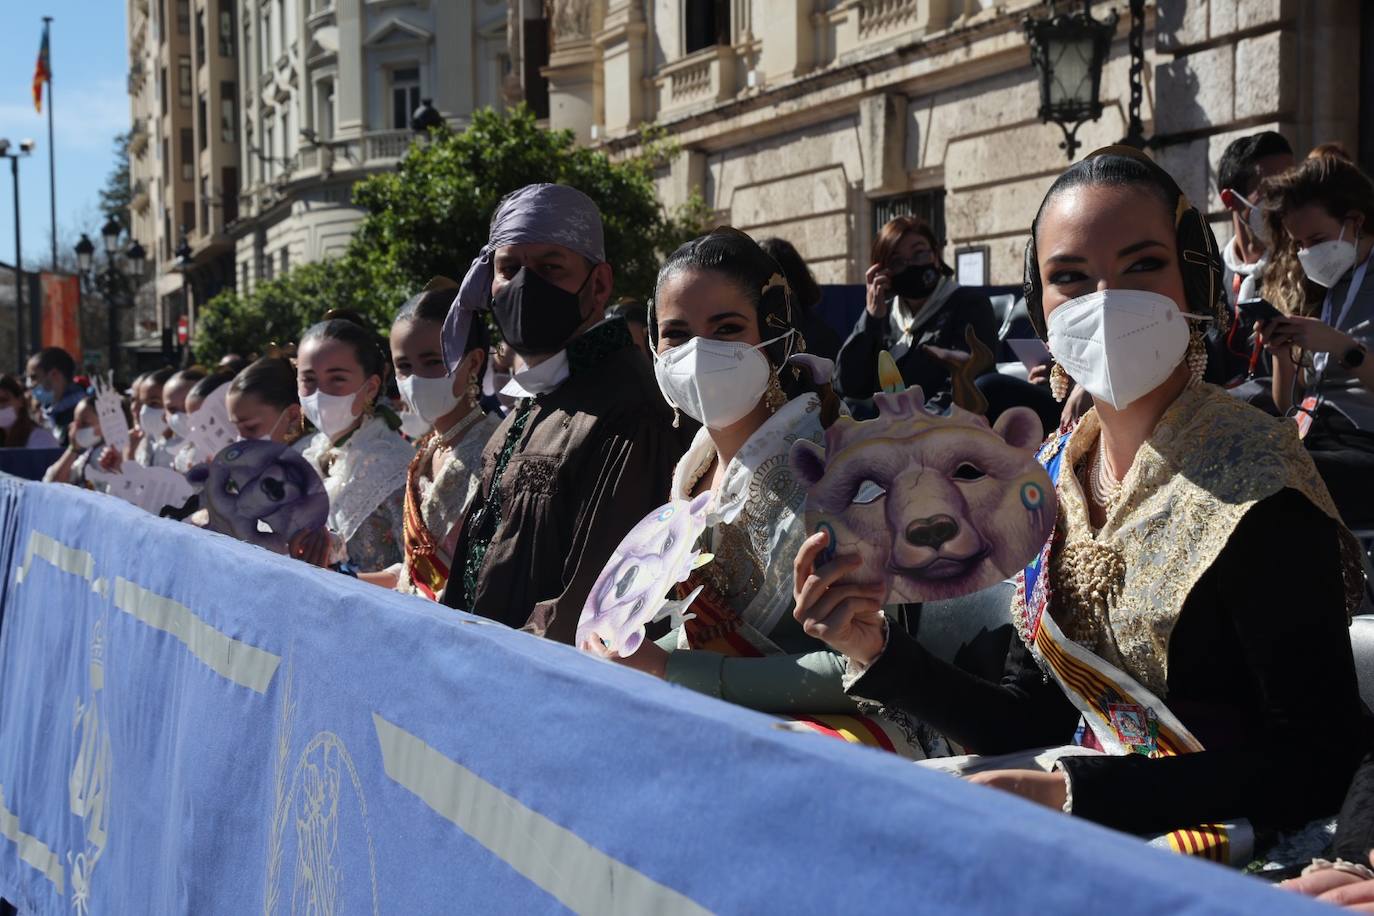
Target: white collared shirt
[(540, 379)]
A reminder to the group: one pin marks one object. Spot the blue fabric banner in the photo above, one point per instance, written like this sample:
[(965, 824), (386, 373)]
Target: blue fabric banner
[(192, 725)]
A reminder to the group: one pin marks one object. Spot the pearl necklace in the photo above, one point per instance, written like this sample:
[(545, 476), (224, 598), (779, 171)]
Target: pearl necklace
[(465, 423), (1102, 487), (695, 478)]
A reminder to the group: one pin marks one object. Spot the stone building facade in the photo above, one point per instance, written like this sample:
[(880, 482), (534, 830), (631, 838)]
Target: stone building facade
[(331, 87), (184, 150), (817, 120)]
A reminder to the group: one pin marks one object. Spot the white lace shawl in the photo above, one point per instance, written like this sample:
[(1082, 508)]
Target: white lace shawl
[(369, 466)]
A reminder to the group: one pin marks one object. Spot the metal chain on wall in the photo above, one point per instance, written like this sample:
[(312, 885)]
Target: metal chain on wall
[(1135, 130)]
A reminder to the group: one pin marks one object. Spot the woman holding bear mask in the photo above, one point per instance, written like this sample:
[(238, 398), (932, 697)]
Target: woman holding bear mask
[(1173, 496), (726, 353)]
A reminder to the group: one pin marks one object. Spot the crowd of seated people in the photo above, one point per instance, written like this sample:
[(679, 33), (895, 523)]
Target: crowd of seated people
[(490, 450)]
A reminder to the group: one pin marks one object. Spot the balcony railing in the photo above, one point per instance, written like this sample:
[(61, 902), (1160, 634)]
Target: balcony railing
[(136, 75), (139, 136), (702, 77), (386, 144), (879, 16)]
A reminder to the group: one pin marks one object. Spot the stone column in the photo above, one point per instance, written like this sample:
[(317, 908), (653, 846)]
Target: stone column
[(788, 38), (621, 47), (882, 143), (350, 92), (574, 71)]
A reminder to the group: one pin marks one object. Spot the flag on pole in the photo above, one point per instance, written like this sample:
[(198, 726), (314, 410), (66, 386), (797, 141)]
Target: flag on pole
[(41, 72)]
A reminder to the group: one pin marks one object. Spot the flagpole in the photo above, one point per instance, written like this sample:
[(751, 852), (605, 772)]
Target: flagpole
[(52, 153)]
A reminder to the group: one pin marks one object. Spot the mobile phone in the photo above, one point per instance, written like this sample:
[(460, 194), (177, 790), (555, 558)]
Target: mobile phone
[(1261, 310)]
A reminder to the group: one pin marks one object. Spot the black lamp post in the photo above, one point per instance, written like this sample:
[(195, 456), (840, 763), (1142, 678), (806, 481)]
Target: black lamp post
[(184, 262), (1068, 50), (114, 283), (25, 147), (425, 118)]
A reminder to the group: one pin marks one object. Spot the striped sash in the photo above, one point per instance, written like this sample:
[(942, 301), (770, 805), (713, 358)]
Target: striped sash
[(1119, 715)]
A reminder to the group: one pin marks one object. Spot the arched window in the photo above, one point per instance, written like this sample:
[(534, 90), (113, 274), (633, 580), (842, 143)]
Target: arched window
[(707, 24)]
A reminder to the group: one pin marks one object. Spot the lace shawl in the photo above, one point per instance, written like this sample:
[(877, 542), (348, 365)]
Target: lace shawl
[(361, 474), (1119, 592)]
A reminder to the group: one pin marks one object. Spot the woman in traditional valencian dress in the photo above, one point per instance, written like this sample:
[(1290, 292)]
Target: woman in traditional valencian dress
[(446, 470), (722, 334), (1191, 608), (357, 451)]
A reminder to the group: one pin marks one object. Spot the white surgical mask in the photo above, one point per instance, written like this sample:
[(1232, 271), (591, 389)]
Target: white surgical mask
[(715, 382), (180, 423), (152, 421), (413, 426), (429, 398), (8, 416), (1119, 344), (86, 438), (1325, 263), (331, 413)]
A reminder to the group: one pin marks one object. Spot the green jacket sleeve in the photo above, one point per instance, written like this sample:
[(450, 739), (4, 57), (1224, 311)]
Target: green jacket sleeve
[(807, 682)]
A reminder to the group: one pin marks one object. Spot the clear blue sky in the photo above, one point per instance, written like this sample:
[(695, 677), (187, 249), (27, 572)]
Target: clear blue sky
[(89, 62)]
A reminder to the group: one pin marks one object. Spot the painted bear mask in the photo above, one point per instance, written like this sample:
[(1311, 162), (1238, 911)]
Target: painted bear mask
[(936, 506)]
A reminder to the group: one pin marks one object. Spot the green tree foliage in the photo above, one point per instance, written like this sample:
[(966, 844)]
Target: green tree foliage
[(431, 216), (118, 192)]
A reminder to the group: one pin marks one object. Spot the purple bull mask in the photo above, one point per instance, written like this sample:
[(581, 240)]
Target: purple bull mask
[(261, 492), (935, 506), (632, 590)]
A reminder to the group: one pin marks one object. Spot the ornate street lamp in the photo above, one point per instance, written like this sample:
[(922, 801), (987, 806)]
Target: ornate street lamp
[(1068, 50), (85, 253), (109, 234), (25, 148), (138, 261), (425, 118), (114, 284)]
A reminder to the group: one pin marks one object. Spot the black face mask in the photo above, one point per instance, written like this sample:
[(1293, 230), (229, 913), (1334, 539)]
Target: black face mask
[(536, 317), (917, 281)]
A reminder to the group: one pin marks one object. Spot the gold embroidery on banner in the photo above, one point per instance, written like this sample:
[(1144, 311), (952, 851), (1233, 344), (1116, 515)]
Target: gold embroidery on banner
[(1118, 592), (327, 809), (89, 782)]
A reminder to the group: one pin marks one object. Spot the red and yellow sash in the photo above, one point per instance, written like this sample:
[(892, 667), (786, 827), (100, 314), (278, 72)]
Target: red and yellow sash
[(427, 569)]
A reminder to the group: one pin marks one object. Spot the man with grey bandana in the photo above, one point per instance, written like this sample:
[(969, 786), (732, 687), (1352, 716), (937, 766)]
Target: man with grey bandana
[(589, 448)]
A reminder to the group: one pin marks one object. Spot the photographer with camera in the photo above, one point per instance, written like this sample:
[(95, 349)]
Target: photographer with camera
[(1236, 360), (1323, 211)]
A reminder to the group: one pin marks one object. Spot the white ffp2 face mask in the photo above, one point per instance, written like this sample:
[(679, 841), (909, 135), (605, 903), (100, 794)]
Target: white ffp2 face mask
[(86, 438), (429, 398), (715, 382), (1119, 344), (152, 421), (330, 413), (180, 424), (1326, 262)]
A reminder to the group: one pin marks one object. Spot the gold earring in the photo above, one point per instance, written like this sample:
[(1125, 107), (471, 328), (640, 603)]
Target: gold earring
[(1196, 359), (775, 397), (1059, 382)]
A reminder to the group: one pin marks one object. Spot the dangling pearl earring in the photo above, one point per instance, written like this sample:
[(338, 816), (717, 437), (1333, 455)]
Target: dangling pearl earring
[(474, 392), (1059, 382), (1196, 359)]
